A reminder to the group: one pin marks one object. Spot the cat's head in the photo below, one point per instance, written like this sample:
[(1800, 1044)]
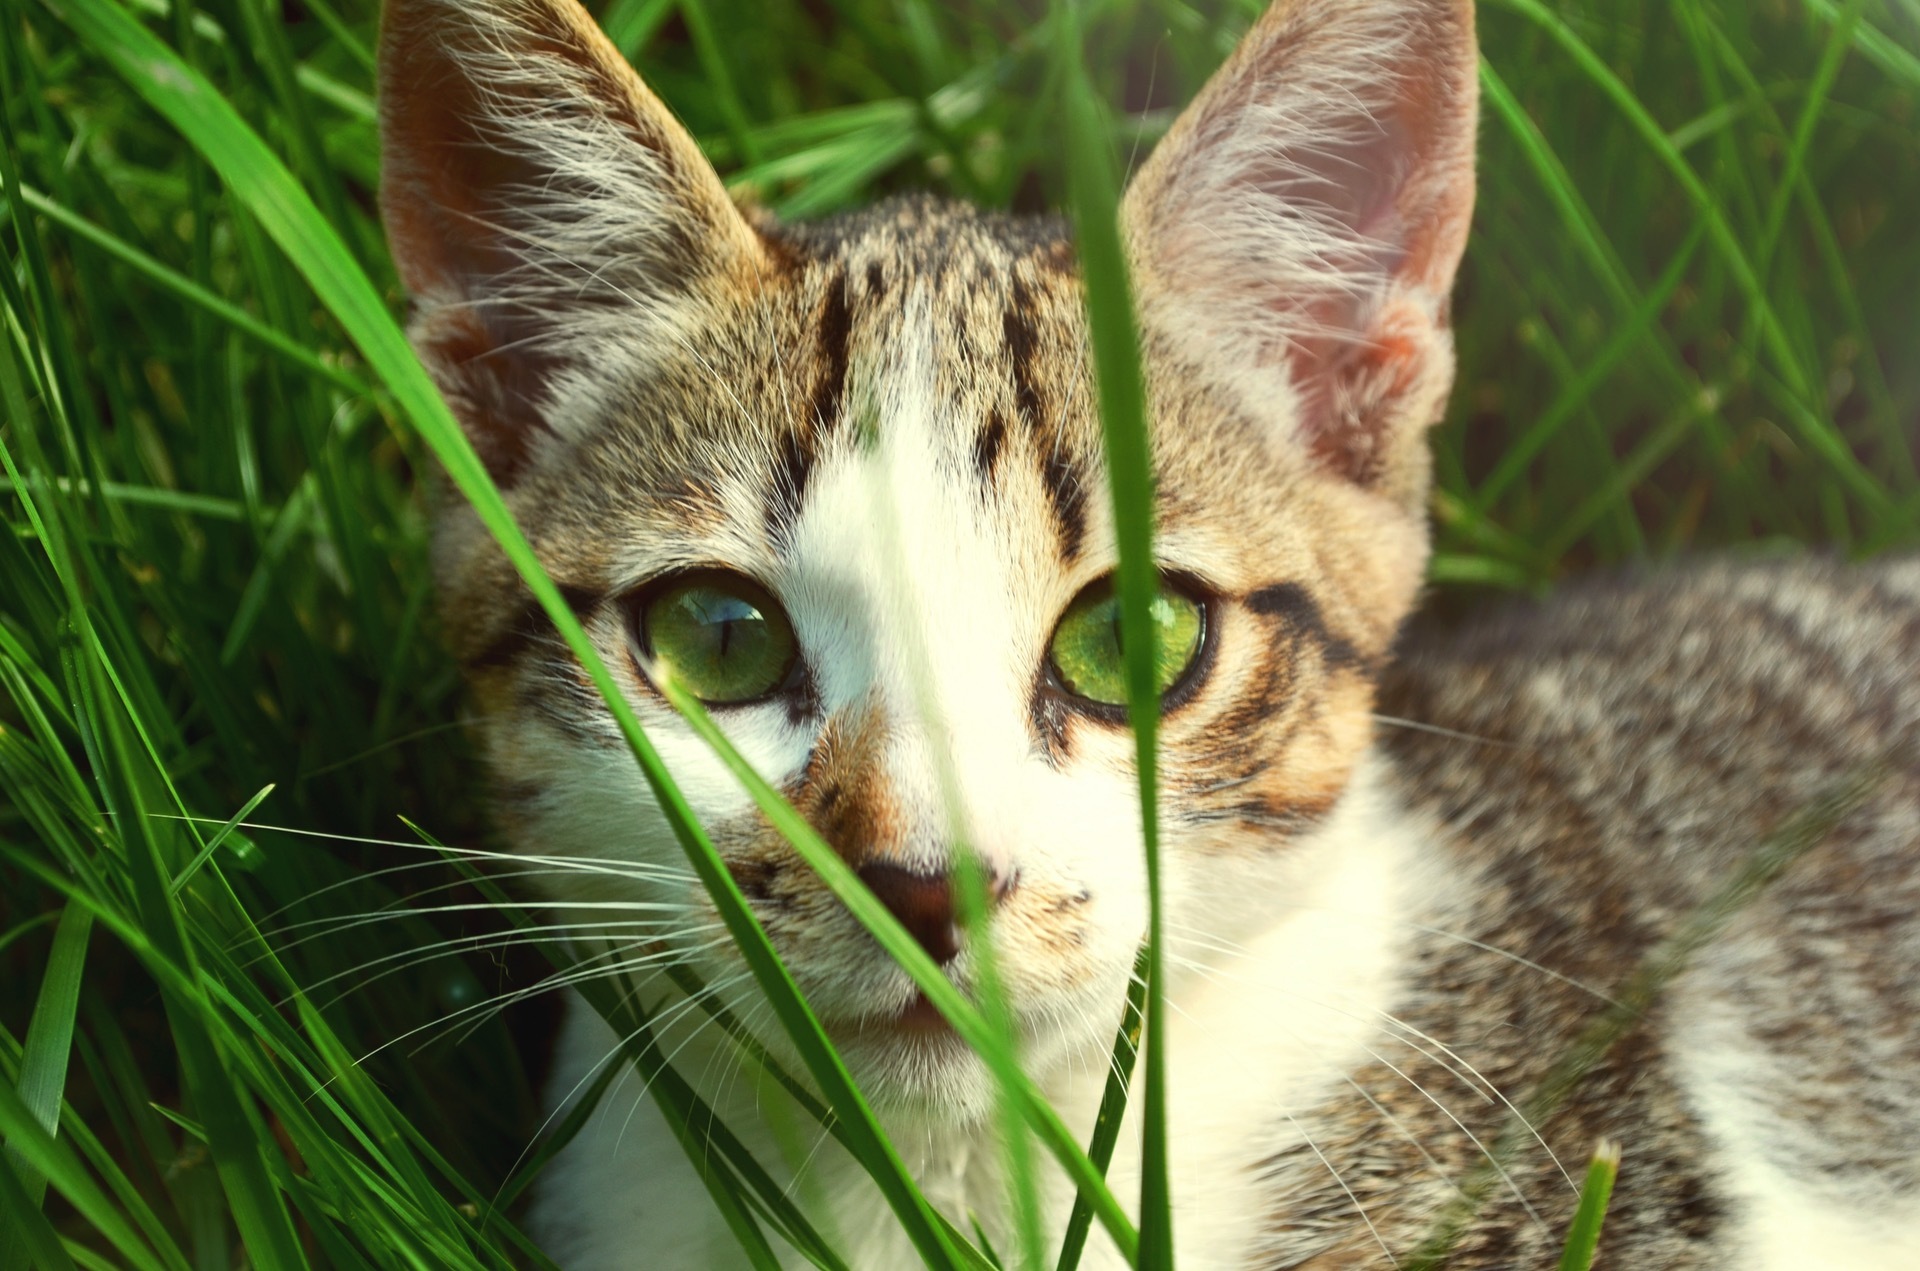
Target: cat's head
[(847, 477)]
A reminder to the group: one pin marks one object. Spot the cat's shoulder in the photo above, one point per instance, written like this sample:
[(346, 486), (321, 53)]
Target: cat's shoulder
[(1615, 763)]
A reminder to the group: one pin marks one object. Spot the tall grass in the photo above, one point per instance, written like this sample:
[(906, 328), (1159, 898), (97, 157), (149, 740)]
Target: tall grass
[(1688, 319)]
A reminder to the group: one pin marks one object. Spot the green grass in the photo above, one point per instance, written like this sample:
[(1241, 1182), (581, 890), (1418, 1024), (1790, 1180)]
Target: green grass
[(1687, 320)]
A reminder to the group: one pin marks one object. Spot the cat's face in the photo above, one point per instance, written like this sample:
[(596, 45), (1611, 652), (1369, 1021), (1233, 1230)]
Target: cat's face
[(847, 480)]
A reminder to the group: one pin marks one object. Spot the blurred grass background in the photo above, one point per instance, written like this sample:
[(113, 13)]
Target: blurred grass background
[(1689, 318)]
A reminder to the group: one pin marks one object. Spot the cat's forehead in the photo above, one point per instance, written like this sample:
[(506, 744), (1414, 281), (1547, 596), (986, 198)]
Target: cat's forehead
[(995, 298), (919, 241), (961, 327)]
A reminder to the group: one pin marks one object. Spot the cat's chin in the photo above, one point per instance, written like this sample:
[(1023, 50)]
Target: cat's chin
[(911, 1063), (914, 1067), (925, 1073)]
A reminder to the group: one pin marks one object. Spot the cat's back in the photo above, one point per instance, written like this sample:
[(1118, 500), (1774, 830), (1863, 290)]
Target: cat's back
[(1678, 713), (1704, 783)]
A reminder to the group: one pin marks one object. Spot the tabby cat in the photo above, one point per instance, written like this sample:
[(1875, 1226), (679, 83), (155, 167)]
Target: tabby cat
[(846, 480)]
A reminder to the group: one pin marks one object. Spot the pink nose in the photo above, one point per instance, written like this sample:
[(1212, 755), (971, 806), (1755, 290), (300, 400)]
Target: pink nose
[(924, 903)]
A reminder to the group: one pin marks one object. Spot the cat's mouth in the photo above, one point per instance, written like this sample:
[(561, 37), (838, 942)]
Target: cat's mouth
[(918, 1021), (920, 1016)]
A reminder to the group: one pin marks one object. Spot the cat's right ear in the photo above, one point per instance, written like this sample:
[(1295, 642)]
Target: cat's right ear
[(1294, 236), (550, 217)]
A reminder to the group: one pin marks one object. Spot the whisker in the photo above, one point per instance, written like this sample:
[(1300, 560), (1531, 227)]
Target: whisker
[(616, 869), (459, 945), (339, 924), (1414, 725), (1490, 1094), (1359, 1208)]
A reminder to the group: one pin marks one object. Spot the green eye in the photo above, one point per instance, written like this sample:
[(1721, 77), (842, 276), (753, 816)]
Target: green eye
[(1086, 650), (723, 637)]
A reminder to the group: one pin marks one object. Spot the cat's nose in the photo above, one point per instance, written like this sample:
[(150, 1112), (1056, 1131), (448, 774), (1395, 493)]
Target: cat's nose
[(924, 903)]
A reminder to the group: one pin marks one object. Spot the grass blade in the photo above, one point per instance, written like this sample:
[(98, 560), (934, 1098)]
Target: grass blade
[(1094, 185), (43, 1066), (1583, 1237), (1113, 1111), (257, 178)]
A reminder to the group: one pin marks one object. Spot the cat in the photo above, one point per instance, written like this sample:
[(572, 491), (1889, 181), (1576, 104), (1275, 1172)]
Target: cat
[(846, 480)]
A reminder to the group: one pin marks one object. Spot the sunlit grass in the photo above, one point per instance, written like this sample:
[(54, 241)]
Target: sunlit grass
[(1687, 320)]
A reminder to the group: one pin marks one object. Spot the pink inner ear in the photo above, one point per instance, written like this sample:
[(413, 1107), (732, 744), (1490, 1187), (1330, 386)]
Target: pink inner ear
[(532, 188), (448, 225), (444, 180), (494, 387), (1317, 209)]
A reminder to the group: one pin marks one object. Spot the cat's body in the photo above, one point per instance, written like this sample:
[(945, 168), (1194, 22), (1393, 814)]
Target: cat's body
[(867, 453)]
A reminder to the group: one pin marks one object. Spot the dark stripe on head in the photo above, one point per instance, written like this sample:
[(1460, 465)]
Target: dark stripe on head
[(1017, 326), (787, 488), (1281, 819), (1299, 613), (1068, 492), (1065, 486), (793, 465), (987, 447), (532, 625), (836, 326)]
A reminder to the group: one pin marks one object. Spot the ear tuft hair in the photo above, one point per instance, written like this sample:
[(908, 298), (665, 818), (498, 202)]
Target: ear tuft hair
[(550, 216), (1296, 232)]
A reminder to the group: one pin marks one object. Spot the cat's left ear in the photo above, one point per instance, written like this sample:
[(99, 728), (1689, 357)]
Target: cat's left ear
[(553, 220), (1295, 235)]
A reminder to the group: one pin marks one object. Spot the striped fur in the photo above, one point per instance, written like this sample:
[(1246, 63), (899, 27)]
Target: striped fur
[(1382, 938)]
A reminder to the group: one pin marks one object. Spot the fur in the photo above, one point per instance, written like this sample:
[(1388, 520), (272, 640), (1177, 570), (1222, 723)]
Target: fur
[(1382, 938)]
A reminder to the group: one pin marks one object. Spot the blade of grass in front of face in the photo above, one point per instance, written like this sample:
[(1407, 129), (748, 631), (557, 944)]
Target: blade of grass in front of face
[(976, 913), (1113, 1110), (1583, 1236), (622, 1012), (975, 909), (255, 176), (677, 1104), (693, 990), (1095, 191)]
